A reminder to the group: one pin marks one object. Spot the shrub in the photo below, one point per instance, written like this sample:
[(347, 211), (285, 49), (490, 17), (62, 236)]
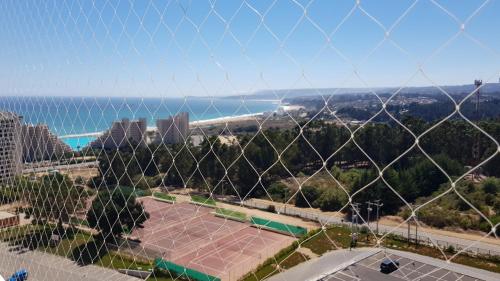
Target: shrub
[(491, 186), (271, 209), (79, 180), (450, 249), (333, 199), (307, 195), (278, 191), (364, 230)]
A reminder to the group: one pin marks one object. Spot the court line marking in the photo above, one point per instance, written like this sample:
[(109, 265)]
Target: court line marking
[(197, 260)]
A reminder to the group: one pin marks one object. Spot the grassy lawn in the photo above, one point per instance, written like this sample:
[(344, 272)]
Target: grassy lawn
[(66, 246), (28, 236), (333, 238), (164, 196), (286, 258), (283, 259), (203, 200), (293, 260), (231, 213), (18, 232), (115, 261)]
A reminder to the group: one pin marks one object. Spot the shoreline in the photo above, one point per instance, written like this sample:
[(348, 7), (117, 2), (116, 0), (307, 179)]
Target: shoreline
[(194, 124)]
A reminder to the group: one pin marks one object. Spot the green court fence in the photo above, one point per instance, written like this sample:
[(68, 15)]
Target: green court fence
[(180, 270), (278, 226)]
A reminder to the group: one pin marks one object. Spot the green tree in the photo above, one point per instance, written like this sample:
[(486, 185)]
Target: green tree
[(278, 191), (53, 198), (114, 211), (306, 196), (491, 186), (79, 180), (332, 199)]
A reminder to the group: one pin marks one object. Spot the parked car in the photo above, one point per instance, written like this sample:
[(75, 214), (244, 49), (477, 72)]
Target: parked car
[(20, 275), (388, 266)]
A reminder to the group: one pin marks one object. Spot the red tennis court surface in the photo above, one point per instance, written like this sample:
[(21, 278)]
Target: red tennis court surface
[(192, 236)]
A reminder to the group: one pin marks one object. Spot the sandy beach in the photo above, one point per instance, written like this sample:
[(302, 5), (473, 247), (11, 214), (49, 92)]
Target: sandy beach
[(223, 120)]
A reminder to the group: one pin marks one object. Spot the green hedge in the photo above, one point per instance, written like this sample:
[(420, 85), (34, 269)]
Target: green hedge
[(231, 213), (278, 226), (161, 195), (203, 200)]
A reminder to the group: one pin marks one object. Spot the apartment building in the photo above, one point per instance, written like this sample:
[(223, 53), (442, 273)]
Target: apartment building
[(10, 146), (123, 133), (40, 144), (173, 129)]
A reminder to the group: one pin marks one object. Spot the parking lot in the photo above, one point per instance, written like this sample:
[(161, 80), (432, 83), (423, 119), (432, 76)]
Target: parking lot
[(369, 269), (42, 266)]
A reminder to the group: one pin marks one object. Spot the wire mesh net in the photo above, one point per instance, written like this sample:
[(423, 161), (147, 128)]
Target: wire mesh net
[(249, 140)]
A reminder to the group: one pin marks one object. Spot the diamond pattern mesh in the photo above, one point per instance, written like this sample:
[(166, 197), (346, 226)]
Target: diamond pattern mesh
[(158, 138)]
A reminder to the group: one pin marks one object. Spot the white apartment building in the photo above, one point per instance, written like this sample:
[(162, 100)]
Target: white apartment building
[(123, 133), (40, 144), (10, 147), (173, 129)]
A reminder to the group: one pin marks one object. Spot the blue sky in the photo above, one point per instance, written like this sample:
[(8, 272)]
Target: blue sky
[(212, 48)]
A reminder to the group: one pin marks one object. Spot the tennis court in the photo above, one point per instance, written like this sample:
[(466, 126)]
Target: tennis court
[(191, 236)]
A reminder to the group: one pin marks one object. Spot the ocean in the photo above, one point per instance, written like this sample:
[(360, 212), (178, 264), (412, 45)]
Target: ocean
[(76, 119)]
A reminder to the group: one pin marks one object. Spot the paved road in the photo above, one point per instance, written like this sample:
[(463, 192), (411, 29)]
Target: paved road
[(439, 239), (46, 267), (61, 167)]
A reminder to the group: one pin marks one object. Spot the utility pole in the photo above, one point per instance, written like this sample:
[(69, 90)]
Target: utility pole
[(409, 232), (354, 234), (476, 146), (285, 201), (416, 229), (378, 205), (409, 223), (369, 210), (355, 212)]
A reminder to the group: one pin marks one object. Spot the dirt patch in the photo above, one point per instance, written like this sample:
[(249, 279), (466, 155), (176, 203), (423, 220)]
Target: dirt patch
[(467, 235)]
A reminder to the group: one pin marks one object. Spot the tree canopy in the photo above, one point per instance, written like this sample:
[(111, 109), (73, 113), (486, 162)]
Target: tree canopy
[(115, 211), (52, 198)]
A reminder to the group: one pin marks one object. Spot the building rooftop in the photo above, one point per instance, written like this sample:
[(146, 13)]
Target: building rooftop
[(6, 215), (7, 115)]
